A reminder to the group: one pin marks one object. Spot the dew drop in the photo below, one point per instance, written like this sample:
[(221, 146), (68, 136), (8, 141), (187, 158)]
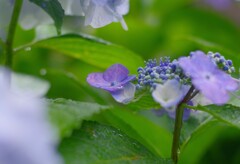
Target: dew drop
[(28, 49), (43, 72)]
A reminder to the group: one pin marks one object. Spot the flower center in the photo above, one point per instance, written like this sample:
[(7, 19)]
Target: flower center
[(113, 83)]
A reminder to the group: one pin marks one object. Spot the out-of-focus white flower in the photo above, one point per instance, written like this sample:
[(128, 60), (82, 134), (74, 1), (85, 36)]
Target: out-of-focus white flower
[(170, 93), (72, 7), (25, 135), (99, 13)]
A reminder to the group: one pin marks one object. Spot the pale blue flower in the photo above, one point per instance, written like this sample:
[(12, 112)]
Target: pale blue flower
[(25, 134), (170, 93), (99, 13), (212, 82), (116, 81)]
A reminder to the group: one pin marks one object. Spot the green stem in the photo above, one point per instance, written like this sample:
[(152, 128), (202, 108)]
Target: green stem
[(177, 132), (11, 32), (178, 125)]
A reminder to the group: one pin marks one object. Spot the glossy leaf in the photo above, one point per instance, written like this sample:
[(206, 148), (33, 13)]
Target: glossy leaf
[(227, 113), (154, 137), (200, 140), (96, 143), (68, 115), (92, 51)]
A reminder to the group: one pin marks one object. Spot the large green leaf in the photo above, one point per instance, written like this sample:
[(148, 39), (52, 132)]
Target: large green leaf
[(227, 113), (201, 139), (92, 51), (97, 144), (189, 126), (54, 9), (154, 137), (67, 115)]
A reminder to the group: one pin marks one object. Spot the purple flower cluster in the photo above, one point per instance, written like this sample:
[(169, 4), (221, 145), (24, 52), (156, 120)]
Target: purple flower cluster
[(173, 82), (116, 81), (221, 62), (154, 73), (206, 77)]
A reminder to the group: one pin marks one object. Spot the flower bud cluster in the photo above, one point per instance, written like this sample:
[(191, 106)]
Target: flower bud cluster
[(221, 62), (154, 73)]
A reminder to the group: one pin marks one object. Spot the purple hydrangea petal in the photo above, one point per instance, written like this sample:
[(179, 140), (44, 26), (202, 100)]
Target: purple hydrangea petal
[(212, 82), (116, 73), (129, 78), (116, 81), (97, 80), (124, 95)]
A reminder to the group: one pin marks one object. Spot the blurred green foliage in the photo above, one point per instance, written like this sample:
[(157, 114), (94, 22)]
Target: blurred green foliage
[(156, 28)]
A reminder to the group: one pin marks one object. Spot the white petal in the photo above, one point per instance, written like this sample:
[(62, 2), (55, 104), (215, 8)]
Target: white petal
[(122, 7), (199, 99), (25, 134), (98, 16), (72, 7), (126, 94), (170, 93), (32, 16)]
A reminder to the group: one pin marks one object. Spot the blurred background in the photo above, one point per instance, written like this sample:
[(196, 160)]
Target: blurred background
[(156, 28)]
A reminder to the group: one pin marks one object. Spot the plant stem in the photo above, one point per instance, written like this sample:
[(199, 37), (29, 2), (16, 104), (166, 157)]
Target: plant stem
[(177, 132), (178, 125), (11, 32)]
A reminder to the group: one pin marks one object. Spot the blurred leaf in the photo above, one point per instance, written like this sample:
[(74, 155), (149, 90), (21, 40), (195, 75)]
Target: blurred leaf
[(68, 115), (92, 51), (95, 143), (200, 140), (227, 113), (183, 32), (235, 99), (54, 9), (155, 138), (143, 101)]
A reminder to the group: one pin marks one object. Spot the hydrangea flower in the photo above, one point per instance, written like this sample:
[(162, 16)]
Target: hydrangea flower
[(221, 62), (116, 81), (212, 82), (99, 13), (154, 73), (25, 135), (170, 93)]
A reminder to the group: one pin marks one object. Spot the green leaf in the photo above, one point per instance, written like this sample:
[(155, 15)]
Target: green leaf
[(188, 127), (201, 139), (235, 100), (227, 113), (96, 144), (92, 51), (155, 138), (54, 9), (143, 101), (67, 115)]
